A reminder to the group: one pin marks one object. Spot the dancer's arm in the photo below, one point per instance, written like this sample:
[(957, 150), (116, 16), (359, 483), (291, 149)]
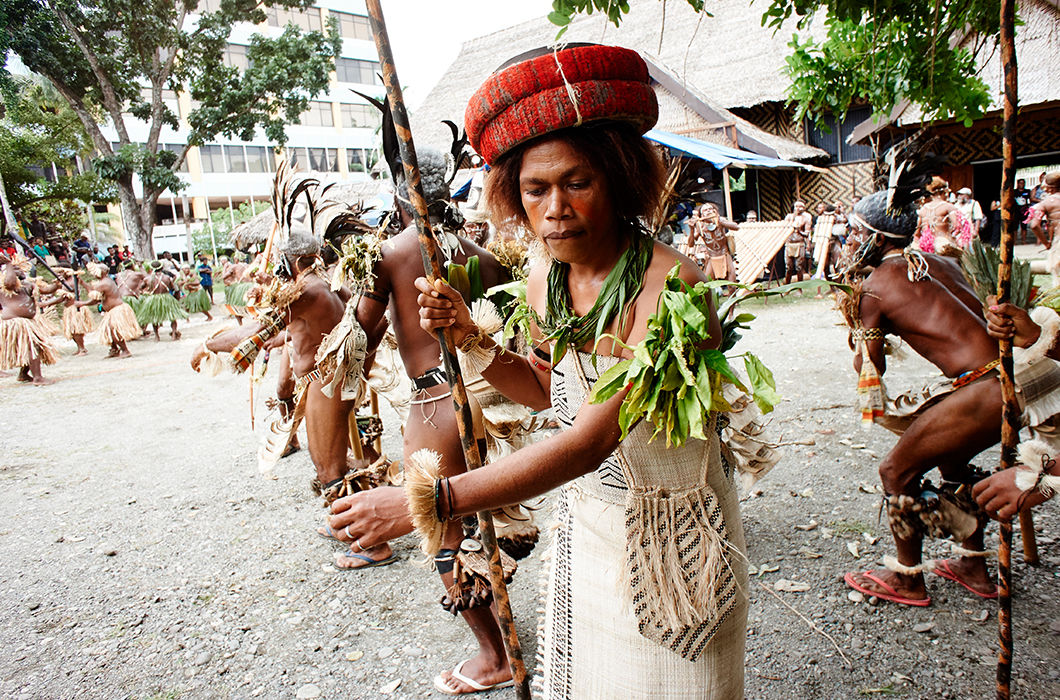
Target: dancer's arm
[(513, 375)]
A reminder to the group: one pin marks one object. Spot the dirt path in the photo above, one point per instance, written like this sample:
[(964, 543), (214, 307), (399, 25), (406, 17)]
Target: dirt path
[(142, 555)]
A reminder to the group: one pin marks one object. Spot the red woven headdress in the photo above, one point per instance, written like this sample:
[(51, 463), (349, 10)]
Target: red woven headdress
[(556, 90)]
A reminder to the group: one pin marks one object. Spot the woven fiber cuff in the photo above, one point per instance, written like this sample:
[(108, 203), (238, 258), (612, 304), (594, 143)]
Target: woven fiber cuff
[(558, 90)]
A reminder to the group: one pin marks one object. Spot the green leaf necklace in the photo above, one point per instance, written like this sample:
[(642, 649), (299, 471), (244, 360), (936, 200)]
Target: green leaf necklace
[(617, 294)]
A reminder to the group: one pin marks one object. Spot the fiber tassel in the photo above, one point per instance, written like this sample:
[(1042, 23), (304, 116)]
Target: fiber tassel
[(422, 469), (899, 568)]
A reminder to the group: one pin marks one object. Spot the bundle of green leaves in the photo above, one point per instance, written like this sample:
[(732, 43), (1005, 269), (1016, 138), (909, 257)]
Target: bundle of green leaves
[(674, 380)]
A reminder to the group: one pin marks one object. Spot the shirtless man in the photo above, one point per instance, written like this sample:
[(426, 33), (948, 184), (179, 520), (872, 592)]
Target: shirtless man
[(131, 282), (941, 225), (432, 421), (159, 284), (23, 342), (77, 320), (1045, 221), (795, 246), (307, 320), (711, 234), (928, 314), (232, 275), (118, 325)]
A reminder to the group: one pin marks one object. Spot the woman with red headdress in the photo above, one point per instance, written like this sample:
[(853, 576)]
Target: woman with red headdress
[(646, 592)]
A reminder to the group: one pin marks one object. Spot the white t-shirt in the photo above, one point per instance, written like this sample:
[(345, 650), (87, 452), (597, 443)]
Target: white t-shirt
[(971, 210)]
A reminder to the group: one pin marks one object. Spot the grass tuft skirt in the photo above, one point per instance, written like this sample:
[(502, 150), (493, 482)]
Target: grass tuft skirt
[(119, 324), (23, 340), (77, 321), (156, 309), (197, 302)]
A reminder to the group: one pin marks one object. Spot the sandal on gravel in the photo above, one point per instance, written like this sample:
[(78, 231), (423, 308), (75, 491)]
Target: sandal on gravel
[(442, 685), (368, 561), (888, 594), (327, 533), (943, 569)]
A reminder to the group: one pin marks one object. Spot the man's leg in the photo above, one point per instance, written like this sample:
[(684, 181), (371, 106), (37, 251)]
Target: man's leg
[(35, 373), (173, 332), (123, 349), (155, 329), (79, 340), (789, 267), (433, 425), (327, 430), (951, 432), (285, 396)]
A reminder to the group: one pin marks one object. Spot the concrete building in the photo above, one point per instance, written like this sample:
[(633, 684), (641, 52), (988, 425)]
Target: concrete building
[(333, 141)]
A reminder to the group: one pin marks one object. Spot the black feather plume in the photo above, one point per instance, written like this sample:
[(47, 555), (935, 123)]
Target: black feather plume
[(912, 166), (391, 148), (457, 149)]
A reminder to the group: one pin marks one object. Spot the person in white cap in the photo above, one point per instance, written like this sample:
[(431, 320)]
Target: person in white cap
[(971, 209)]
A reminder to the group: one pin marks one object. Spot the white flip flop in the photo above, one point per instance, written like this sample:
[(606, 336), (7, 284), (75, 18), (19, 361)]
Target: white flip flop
[(443, 686)]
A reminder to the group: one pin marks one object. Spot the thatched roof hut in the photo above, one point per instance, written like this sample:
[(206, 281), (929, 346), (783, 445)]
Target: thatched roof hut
[(701, 66)]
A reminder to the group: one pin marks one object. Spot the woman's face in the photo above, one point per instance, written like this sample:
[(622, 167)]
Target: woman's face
[(566, 202)]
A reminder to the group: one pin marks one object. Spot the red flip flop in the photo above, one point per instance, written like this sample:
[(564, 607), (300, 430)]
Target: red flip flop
[(942, 568), (890, 594)]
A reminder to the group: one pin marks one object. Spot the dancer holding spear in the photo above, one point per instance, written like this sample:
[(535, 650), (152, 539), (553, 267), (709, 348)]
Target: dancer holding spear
[(646, 596)]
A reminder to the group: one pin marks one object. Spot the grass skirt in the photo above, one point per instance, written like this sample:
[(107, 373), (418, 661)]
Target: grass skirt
[(48, 320), (236, 294), (197, 302), (156, 309), (119, 324), (22, 340), (77, 321)]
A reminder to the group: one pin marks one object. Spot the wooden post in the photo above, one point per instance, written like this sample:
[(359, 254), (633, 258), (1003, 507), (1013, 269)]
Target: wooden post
[(1010, 425), (433, 268), (728, 192)]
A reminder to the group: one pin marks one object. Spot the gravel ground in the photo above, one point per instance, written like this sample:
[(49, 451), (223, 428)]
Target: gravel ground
[(143, 557)]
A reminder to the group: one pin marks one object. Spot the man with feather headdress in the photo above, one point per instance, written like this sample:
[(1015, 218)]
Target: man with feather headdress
[(324, 342), (925, 300), (432, 420)]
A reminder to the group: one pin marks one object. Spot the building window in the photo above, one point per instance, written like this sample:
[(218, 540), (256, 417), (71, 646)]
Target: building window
[(318, 159), (355, 116), (237, 161), (212, 159), (305, 19), (354, 160), (259, 160), (319, 114), (835, 140), (235, 55), (176, 148), (333, 160), (352, 26), (353, 70), (297, 157)]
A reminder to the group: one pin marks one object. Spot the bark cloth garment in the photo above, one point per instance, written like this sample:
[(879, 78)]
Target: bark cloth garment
[(118, 324), (23, 340), (624, 612)]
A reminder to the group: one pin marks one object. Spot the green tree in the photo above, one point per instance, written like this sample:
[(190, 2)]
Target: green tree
[(112, 59), (39, 134), (222, 222), (880, 51)]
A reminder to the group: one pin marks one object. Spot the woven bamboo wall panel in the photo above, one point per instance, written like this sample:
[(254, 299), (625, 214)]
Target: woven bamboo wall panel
[(968, 145)]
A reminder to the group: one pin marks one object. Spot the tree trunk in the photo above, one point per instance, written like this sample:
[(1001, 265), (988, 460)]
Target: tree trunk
[(137, 237), (147, 220)]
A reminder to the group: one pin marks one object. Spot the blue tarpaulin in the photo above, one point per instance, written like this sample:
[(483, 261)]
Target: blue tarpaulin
[(717, 155)]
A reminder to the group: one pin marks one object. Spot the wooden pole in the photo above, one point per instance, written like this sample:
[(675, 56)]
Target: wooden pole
[(432, 266), (728, 192), (1010, 424)]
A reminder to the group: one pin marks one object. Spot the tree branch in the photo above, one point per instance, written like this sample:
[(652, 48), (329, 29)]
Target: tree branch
[(110, 98), (87, 120)]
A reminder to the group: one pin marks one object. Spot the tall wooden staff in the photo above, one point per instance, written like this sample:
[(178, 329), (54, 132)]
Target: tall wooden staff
[(1010, 424), (432, 266)]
